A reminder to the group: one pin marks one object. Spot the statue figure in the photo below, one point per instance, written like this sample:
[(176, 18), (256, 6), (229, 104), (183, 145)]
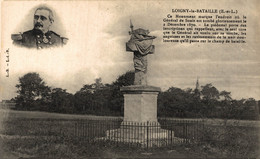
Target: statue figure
[(141, 44)]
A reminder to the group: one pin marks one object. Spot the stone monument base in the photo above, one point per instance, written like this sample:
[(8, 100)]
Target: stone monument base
[(147, 135), (140, 103), (140, 108)]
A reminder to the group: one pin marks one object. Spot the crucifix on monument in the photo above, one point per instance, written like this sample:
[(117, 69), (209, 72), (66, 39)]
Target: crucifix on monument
[(140, 99)]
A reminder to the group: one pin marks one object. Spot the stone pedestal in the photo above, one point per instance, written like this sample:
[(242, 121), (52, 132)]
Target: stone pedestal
[(140, 123), (140, 103), (145, 134)]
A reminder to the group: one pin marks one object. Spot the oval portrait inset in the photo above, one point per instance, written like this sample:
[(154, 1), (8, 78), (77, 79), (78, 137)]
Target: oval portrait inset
[(43, 33)]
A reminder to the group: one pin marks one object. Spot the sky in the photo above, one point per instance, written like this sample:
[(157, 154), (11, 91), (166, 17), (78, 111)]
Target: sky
[(98, 31)]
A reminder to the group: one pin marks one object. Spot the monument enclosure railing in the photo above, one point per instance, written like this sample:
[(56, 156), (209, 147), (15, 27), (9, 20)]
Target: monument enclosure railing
[(117, 133), (165, 132)]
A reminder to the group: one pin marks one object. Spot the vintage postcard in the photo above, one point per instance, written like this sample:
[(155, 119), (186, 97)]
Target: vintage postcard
[(80, 79)]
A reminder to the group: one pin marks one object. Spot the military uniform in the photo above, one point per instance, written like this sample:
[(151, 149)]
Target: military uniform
[(36, 39)]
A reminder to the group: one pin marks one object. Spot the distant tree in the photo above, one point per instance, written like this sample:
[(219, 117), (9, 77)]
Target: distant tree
[(239, 109), (84, 99), (226, 95), (125, 79), (176, 102), (98, 83), (249, 109), (93, 98), (209, 92), (32, 92), (91, 88), (103, 99), (116, 100), (61, 101), (210, 97), (250, 101)]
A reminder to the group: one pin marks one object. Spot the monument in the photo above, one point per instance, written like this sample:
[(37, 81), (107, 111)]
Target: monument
[(140, 99), (140, 123)]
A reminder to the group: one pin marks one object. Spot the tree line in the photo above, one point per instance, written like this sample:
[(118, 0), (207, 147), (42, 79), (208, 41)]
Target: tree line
[(106, 99)]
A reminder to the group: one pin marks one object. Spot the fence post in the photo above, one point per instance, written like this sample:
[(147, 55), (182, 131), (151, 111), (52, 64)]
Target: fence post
[(75, 129), (186, 131), (203, 128), (147, 135), (84, 131), (171, 134), (197, 130), (109, 129)]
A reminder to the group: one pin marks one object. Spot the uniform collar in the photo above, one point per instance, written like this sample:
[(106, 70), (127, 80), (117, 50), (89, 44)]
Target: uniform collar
[(38, 32)]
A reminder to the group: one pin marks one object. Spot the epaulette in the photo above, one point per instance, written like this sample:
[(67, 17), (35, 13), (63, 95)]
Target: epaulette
[(55, 33), (64, 40), (16, 37)]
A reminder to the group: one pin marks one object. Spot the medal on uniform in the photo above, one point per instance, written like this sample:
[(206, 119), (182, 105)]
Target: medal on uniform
[(45, 39)]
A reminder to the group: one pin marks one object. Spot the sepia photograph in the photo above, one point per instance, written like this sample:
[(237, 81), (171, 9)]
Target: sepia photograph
[(40, 36), (129, 79)]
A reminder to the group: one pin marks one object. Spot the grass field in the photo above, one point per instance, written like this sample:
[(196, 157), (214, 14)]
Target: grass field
[(31, 135)]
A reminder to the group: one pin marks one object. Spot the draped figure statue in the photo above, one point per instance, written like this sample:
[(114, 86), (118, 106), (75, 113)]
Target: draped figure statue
[(140, 44)]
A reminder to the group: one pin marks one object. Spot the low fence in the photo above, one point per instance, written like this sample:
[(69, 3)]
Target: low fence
[(166, 132), (227, 136), (144, 134)]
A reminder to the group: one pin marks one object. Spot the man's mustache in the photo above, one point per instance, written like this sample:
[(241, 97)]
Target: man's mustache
[(38, 25)]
